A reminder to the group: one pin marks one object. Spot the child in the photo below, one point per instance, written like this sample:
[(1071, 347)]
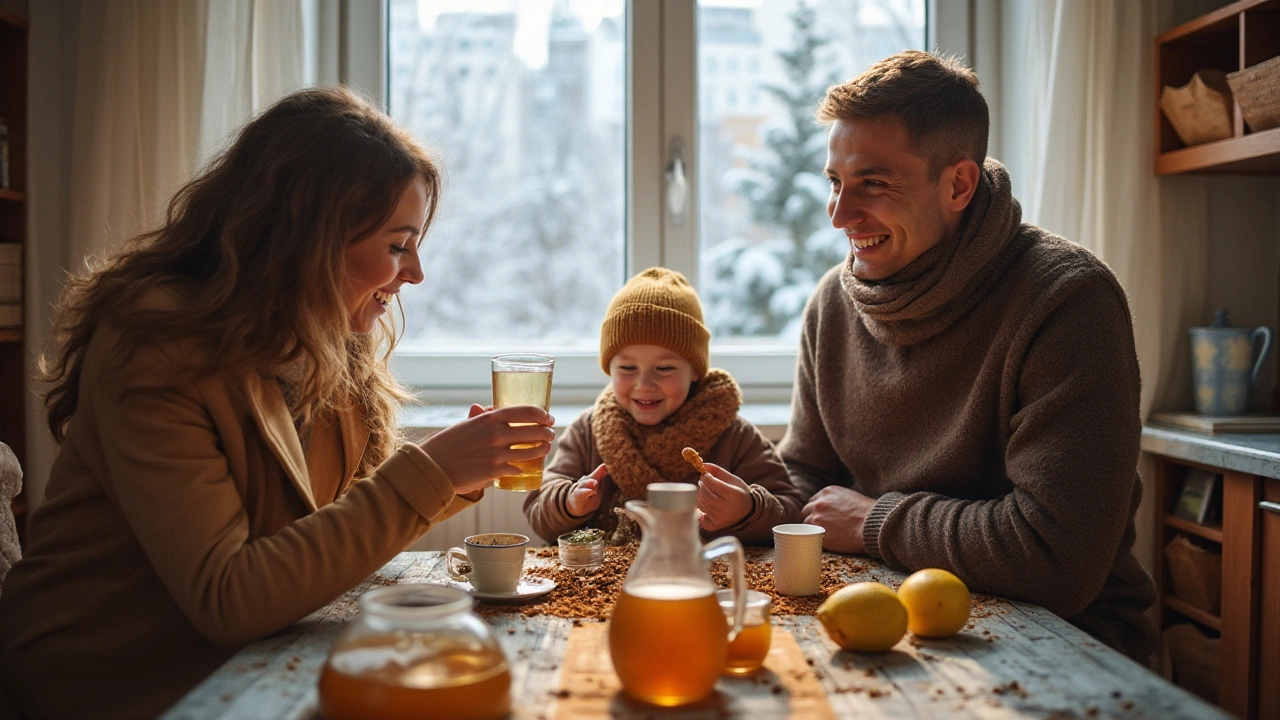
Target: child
[(661, 399)]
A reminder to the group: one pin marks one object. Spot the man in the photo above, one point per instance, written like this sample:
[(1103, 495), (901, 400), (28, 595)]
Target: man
[(967, 386)]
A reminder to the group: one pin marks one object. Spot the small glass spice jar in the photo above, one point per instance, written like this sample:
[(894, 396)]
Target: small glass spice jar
[(582, 551)]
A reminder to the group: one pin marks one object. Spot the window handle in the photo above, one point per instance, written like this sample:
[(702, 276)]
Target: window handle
[(1270, 506), (677, 184)]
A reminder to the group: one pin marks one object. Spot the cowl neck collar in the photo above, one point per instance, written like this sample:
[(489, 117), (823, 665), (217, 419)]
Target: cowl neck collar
[(949, 279)]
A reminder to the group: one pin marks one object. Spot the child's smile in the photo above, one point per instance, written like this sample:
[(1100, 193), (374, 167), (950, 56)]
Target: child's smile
[(650, 381)]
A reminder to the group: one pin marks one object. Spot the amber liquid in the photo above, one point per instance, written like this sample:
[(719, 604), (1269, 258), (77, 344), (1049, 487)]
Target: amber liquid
[(748, 650), (668, 642), (522, 388), (376, 679)]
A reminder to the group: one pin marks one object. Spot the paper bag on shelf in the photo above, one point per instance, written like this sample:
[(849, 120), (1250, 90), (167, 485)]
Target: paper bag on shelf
[(1196, 574), (1199, 111)]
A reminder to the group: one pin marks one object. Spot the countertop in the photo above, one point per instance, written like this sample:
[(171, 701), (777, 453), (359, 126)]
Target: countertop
[(1252, 453)]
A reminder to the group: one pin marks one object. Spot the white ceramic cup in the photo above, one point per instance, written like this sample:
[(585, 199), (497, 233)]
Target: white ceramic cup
[(797, 558), (496, 561)]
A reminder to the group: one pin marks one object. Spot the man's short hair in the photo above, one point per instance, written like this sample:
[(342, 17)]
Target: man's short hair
[(935, 97)]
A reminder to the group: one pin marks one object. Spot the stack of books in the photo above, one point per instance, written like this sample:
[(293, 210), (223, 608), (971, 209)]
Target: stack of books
[(10, 285)]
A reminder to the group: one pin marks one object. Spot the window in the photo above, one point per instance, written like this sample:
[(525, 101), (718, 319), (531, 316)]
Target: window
[(557, 172)]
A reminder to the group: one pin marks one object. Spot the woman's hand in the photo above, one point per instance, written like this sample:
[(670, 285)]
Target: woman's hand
[(584, 498), (723, 498), (477, 450)]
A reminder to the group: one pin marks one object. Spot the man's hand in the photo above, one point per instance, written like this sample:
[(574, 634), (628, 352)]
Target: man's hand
[(723, 498), (584, 498), (841, 512)]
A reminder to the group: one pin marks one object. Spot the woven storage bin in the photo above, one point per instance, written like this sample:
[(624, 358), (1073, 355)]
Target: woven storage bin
[(1196, 574), (1199, 111), (1192, 659), (1257, 91)]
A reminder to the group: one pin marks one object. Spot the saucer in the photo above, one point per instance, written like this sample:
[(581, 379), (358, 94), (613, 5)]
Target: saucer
[(528, 589)]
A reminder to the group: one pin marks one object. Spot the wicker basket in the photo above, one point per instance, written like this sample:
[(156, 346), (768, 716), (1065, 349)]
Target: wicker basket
[(1257, 90), (1199, 111)]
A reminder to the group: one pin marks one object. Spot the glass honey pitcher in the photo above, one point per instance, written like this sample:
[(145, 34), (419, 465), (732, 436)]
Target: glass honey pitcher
[(415, 651), (668, 637)]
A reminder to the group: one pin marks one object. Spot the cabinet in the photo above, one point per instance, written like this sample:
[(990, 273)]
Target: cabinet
[(1248, 624), (13, 229), (1231, 38)]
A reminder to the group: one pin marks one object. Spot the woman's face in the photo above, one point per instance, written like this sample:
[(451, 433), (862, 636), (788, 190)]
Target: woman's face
[(380, 264)]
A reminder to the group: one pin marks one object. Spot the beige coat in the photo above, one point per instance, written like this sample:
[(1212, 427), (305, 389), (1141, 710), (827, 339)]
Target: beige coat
[(180, 525)]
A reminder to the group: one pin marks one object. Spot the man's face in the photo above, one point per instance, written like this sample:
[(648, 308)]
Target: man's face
[(882, 197)]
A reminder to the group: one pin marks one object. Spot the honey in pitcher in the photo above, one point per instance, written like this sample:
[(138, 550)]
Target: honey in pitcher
[(383, 677), (748, 650), (668, 642)]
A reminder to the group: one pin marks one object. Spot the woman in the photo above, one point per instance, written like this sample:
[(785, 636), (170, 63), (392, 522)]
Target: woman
[(228, 460)]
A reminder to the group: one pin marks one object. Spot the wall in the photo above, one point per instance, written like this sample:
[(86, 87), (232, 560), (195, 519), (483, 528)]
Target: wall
[(52, 27)]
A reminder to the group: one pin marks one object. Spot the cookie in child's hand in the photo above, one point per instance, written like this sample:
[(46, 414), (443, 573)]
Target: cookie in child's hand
[(694, 459)]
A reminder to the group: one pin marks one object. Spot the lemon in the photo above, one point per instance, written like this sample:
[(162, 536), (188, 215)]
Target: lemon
[(865, 616), (937, 603)]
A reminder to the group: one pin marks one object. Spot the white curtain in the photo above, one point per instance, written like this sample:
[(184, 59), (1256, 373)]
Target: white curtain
[(1077, 134), (1077, 128), (160, 86)]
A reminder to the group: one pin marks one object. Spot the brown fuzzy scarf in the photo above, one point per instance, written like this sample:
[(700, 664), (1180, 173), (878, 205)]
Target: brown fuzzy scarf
[(638, 455), (949, 279)]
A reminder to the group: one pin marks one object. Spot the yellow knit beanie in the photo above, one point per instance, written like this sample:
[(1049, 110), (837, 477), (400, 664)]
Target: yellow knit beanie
[(657, 307)]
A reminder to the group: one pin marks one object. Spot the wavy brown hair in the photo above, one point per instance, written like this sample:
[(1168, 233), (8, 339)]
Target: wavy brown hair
[(254, 246)]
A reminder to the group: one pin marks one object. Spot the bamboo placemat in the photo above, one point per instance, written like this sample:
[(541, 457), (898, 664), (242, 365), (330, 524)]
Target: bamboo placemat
[(784, 688)]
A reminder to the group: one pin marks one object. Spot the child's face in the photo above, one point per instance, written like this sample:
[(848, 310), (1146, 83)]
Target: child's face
[(651, 382)]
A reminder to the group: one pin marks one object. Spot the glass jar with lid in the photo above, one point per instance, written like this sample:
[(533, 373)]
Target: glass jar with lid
[(415, 650)]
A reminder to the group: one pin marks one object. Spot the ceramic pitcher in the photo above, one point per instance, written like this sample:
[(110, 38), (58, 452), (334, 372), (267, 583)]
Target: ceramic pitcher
[(1224, 365)]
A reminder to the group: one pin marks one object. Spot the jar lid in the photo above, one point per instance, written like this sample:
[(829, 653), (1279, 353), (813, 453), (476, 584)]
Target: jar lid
[(673, 496)]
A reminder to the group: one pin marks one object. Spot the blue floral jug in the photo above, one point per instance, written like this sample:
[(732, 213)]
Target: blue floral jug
[(1224, 366)]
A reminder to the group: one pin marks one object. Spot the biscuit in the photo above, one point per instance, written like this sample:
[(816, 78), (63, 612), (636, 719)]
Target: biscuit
[(692, 456)]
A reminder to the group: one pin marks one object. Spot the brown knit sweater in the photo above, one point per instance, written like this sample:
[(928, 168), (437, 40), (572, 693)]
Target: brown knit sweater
[(987, 396)]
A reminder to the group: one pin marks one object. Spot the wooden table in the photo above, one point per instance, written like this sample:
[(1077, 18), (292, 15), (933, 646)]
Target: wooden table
[(1021, 662)]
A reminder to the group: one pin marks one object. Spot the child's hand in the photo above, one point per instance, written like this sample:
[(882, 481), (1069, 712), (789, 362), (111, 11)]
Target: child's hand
[(723, 498), (584, 498)]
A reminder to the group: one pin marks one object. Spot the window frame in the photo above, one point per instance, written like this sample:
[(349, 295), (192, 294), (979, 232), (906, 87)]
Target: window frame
[(661, 115)]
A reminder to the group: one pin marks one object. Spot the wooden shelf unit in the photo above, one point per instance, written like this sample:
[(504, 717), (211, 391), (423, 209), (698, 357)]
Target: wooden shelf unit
[(1241, 624), (1231, 38), (13, 228)]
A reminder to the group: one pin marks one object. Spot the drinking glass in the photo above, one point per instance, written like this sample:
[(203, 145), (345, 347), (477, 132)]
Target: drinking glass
[(749, 648), (522, 379)]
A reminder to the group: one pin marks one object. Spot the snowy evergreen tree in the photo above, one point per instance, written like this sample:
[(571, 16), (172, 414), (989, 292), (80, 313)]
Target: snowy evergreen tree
[(758, 287)]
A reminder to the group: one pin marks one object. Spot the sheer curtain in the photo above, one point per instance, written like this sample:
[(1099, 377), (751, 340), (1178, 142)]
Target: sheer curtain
[(160, 86), (1077, 134)]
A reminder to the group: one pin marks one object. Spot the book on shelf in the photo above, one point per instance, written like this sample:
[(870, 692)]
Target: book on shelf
[(1216, 424), (1200, 497)]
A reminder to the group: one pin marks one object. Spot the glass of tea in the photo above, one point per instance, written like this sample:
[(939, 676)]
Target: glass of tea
[(415, 648), (522, 379), (748, 649)]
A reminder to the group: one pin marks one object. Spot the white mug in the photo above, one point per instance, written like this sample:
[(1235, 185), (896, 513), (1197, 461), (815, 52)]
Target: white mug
[(797, 558), (496, 561)]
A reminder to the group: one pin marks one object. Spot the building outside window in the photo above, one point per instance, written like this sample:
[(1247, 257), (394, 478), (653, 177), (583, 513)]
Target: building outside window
[(540, 111)]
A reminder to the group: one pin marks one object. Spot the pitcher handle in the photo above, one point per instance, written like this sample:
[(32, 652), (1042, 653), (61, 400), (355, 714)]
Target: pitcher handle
[(460, 556), (1265, 332), (737, 562)]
